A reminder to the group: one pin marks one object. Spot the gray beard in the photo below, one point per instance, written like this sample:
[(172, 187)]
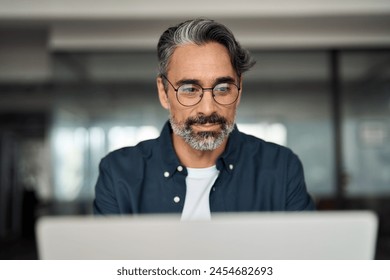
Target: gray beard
[(204, 140)]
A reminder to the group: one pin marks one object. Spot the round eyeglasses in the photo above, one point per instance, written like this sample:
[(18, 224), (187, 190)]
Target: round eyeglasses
[(191, 94)]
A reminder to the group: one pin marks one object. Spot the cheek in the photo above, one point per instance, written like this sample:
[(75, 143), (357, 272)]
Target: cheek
[(180, 114), (230, 113)]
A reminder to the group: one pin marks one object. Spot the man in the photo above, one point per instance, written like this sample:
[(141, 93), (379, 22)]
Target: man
[(201, 163)]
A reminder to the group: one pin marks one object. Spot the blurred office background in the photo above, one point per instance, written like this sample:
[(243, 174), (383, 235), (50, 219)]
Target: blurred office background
[(77, 80)]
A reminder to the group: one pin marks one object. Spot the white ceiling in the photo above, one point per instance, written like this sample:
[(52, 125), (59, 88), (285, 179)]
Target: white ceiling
[(258, 24)]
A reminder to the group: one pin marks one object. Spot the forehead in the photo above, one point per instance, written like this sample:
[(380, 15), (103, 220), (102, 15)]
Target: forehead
[(204, 62)]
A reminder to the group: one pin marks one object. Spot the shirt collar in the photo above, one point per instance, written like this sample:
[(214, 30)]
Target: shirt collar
[(168, 155), (228, 159)]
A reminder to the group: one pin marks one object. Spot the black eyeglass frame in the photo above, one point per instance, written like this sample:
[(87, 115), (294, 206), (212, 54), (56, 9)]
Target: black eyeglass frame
[(203, 90)]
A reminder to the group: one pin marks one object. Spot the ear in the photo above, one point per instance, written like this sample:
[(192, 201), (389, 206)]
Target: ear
[(162, 94)]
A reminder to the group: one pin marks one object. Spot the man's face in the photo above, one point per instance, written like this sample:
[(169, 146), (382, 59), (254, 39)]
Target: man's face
[(206, 125)]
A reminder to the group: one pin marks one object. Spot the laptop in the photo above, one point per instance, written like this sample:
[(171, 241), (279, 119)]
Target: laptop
[(269, 236)]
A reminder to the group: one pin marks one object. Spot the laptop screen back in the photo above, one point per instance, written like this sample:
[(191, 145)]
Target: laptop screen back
[(314, 235)]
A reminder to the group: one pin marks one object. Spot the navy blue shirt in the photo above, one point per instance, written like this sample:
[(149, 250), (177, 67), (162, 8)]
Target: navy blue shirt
[(254, 176)]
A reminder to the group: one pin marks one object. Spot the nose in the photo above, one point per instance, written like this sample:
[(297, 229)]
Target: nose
[(207, 105)]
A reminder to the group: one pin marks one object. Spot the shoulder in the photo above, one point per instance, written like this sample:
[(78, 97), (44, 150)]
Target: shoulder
[(131, 154), (268, 154), (257, 145)]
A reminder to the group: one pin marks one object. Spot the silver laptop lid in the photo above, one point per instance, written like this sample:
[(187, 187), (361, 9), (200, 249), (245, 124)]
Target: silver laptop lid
[(273, 236)]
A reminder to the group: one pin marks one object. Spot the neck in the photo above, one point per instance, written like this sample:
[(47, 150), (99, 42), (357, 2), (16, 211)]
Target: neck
[(192, 158)]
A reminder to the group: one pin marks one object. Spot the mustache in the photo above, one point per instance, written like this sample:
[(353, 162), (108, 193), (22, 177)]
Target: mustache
[(202, 119)]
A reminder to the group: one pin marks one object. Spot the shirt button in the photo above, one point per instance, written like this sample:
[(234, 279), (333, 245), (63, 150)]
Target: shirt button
[(166, 174), (231, 166), (176, 199), (180, 168)]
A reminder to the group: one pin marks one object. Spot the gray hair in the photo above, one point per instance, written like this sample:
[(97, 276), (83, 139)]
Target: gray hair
[(201, 31)]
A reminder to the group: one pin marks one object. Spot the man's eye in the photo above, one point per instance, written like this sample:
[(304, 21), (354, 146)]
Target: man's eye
[(189, 89), (222, 88)]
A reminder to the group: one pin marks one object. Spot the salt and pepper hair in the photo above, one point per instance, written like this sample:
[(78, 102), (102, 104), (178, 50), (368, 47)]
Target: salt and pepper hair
[(201, 31)]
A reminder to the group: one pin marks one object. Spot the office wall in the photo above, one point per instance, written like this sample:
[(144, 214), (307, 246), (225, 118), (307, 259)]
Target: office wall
[(101, 101)]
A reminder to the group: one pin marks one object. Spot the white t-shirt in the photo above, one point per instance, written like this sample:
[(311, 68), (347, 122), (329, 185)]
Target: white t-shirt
[(199, 183)]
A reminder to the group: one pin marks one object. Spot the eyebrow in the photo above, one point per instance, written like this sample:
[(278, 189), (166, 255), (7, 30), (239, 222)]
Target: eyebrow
[(219, 80)]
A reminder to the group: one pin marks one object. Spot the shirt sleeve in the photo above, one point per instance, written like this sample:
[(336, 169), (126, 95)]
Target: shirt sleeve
[(105, 200), (298, 198)]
